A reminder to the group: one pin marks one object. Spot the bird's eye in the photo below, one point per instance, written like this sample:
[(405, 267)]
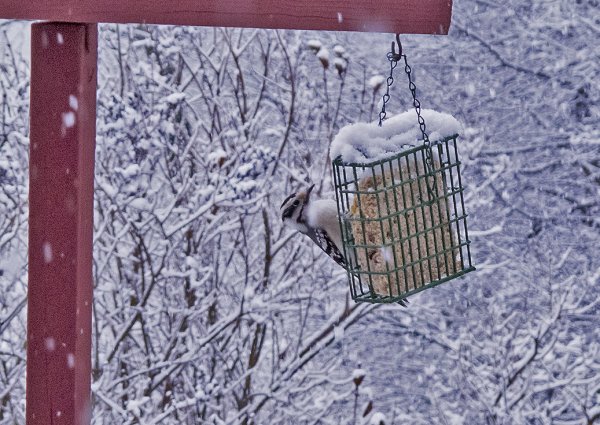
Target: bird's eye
[(296, 203)]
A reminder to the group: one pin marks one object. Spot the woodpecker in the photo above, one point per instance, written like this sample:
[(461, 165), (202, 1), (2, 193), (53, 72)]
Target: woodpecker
[(317, 219)]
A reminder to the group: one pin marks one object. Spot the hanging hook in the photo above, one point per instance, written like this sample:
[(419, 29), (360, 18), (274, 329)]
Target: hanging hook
[(396, 56)]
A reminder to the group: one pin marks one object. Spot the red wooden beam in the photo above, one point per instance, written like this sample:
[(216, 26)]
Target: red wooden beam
[(61, 173), (394, 16)]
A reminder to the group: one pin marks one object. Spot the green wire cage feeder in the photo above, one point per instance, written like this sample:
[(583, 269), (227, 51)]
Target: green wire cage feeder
[(402, 214)]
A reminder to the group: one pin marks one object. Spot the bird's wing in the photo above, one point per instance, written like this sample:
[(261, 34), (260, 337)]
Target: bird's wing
[(319, 236)]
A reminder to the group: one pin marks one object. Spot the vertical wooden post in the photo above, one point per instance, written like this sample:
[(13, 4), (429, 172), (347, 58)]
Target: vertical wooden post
[(61, 172)]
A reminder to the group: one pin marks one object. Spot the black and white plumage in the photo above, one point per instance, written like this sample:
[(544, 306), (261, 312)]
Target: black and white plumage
[(317, 219)]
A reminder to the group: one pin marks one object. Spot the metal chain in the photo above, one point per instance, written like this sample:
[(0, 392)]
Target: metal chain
[(417, 105), (393, 58), (390, 80)]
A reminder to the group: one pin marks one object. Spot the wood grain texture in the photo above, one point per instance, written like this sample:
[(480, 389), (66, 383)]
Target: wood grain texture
[(393, 16), (61, 190)]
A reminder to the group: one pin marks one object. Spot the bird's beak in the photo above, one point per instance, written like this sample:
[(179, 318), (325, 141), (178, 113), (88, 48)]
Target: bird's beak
[(308, 191)]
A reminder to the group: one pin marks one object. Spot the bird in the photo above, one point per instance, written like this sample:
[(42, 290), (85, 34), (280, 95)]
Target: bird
[(317, 219)]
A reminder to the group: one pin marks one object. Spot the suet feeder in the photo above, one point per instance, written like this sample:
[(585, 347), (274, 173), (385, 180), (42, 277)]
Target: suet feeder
[(402, 215), (404, 227)]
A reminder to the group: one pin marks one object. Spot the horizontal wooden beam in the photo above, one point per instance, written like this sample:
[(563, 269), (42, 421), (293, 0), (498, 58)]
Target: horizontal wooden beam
[(392, 16)]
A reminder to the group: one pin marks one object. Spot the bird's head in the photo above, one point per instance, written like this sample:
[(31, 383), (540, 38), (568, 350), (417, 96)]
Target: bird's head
[(293, 209)]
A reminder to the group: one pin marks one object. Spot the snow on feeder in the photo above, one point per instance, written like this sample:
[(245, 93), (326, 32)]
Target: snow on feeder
[(400, 203)]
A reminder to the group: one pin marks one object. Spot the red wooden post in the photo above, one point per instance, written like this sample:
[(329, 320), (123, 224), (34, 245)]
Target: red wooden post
[(61, 173)]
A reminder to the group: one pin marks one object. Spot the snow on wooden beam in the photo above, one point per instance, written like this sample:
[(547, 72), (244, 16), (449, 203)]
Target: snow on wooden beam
[(392, 16), (61, 190)]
